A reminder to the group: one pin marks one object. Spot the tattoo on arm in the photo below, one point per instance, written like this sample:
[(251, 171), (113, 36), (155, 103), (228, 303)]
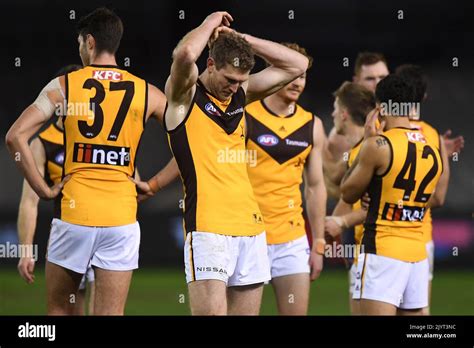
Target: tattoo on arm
[(381, 142)]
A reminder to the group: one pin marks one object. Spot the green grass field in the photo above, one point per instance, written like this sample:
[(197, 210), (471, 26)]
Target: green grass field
[(160, 292)]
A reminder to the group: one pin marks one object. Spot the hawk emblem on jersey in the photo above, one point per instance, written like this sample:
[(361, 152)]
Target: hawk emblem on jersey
[(415, 137)]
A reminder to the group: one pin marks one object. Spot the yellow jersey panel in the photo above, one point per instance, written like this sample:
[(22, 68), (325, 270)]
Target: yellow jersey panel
[(52, 139), (106, 110), (359, 229), (394, 223), (282, 146), (209, 147), (429, 132)]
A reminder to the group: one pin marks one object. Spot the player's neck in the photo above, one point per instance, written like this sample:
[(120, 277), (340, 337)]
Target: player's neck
[(279, 106), (104, 59), (206, 81), (354, 134), (396, 121)]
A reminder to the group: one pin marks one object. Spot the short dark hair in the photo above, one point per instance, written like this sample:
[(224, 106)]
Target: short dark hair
[(368, 58), (106, 28), (394, 88), (67, 69), (357, 99), (231, 48), (416, 77)]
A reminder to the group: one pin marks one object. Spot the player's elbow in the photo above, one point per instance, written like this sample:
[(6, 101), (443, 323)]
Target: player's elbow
[(184, 55), (11, 138), (348, 195), (300, 65)]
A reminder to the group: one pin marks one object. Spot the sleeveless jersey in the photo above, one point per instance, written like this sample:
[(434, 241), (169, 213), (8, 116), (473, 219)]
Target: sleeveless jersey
[(209, 147), (53, 142), (281, 145), (106, 111), (394, 223)]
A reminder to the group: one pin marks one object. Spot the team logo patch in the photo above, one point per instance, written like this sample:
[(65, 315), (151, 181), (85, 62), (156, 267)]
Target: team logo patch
[(211, 109), (59, 157), (267, 140), (107, 75), (415, 137)]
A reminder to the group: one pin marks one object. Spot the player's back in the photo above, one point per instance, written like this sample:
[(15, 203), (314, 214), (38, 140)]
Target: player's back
[(106, 109), (393, 226)]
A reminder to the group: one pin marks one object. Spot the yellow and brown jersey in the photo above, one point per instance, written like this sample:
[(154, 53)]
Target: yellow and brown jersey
[(52, 139), (106, 110), (394, 223), (431, 133), (282, 145), (359, 229), (209, 147)]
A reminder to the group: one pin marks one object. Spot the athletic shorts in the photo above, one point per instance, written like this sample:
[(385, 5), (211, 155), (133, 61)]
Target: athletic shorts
[(403, 284), (77, 247), (289, 258), (430, 251), (352, 277), (234, 260), (87, 278)]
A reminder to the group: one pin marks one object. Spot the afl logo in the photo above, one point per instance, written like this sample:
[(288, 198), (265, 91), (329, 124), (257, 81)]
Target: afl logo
[(267, 140), (211, 109), (59, 157)]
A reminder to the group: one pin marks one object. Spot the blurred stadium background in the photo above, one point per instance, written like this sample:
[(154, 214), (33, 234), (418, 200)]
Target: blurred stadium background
[(42, 34)]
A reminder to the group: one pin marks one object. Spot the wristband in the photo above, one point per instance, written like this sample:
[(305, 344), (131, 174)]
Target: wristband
[(320, 244)]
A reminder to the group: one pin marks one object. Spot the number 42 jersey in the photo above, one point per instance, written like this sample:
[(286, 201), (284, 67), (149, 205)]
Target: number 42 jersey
[(398, 198), (106, 110)]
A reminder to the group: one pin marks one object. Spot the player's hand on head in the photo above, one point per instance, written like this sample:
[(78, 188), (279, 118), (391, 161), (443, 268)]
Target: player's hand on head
[(315, 265), (26, 267), (370, 128), (219, 18), (217, 32), (453, 145)]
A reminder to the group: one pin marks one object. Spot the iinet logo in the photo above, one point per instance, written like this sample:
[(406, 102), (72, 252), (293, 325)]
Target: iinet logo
[(101, 154), (107, 75)]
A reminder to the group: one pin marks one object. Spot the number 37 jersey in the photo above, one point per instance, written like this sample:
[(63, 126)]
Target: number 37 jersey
[(106, 109), (393, 227)]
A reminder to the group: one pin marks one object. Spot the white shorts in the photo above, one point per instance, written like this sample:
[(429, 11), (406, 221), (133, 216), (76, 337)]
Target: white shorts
[(403, 284), (234, 260), (77, 247), (430, 251), (87, 278), (289, 258), (352, 277)]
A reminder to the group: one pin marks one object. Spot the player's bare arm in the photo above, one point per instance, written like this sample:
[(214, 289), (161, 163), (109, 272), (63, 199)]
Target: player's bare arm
[(343, 217), (315, 195), (373, 158), (29, 122), (184, 73), (27, 214), (285, 66), (439, 195), (156, 103)]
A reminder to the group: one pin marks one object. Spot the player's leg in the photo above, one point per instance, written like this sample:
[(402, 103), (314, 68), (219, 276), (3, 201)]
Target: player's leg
[(207, 297), (111, 291), (91, 298), (114, 258), (380, 284), (290, 275), (354, 305), (61, 288), (430, 251), (252, 269), (415, 297), (69, 251), (244, 300), (292, 293), (209, 258), (372, 307), (80, 302)]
